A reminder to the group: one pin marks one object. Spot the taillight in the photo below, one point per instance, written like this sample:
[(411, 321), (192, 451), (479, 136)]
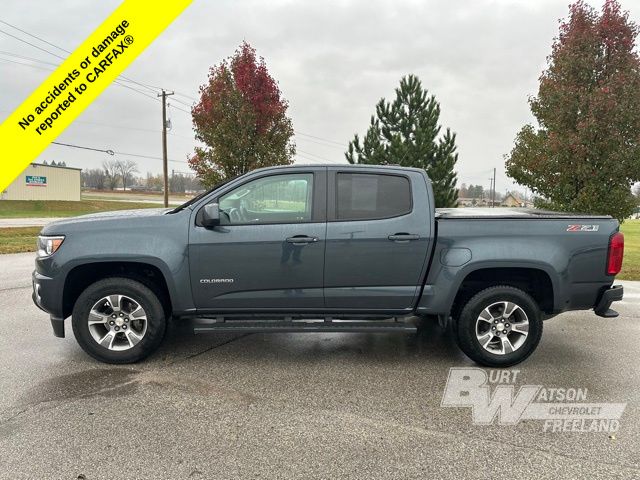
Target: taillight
[(616, 252)]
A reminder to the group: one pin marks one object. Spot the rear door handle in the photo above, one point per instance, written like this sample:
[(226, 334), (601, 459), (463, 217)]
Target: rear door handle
[(403, 237), (301, 239)]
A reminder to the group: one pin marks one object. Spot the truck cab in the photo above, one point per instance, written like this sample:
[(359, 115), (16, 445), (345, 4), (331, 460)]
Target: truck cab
[(320, 239)]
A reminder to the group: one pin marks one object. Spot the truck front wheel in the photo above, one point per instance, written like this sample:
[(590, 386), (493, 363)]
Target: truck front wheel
[(118, 320), (499, 326)]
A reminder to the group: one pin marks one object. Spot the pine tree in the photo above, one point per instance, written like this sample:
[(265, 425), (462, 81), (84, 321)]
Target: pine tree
[(407, 133)]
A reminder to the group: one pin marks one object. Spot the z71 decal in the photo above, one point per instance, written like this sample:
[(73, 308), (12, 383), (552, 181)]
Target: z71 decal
[(583, 228)]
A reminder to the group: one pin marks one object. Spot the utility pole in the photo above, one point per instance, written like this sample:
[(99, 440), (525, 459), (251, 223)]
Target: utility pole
[(165, 166), (491, 191), (493, 198)]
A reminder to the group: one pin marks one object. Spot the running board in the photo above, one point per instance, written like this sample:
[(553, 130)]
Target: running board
[(304, 326)]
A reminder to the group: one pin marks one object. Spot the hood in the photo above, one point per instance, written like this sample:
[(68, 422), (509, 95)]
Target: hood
[(133, 215)]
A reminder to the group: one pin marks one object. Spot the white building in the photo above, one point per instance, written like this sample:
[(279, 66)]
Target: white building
[(45, 182)]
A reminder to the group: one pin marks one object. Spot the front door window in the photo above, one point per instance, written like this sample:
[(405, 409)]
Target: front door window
[(273, 199)]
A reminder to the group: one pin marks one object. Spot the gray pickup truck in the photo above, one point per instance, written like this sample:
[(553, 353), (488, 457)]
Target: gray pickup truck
[(324, 248)]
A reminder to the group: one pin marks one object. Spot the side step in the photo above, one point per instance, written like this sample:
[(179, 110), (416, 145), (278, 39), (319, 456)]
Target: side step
[(267, 326)]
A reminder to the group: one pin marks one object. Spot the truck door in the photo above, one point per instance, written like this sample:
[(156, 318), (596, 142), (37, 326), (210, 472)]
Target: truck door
[(378, 236), (268, 251)]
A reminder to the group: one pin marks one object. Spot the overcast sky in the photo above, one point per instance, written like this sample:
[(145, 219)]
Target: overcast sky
[(333, 61)]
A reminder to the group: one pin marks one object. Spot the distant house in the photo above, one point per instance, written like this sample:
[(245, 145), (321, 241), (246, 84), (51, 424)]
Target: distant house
[(475, 202), (467, 202), (513, 200)]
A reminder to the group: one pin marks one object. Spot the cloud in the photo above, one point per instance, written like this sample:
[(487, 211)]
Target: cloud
[(333, 60)]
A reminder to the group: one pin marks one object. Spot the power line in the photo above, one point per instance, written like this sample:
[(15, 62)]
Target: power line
[(303, 155), (321, 143), (316, 156), (111, 152), (121, 127), (27, 65), (150, 157), (182, 103), (305, 160), (108, 152), (130, 128), (62, 49), (27, 58), (117, 82), (180, 109), (186, 96), (123, 78), (30, 34), (32, 44), (319, 138)]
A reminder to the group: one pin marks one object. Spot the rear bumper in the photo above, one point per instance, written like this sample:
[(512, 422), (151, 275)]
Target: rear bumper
[(608, 296)]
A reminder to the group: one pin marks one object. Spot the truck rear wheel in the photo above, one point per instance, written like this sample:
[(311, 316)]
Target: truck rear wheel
[(499, 326), (118, 320)]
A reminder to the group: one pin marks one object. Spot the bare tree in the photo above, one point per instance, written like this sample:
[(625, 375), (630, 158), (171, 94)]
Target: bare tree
[(93, 178), (126, 168), (111, 172)]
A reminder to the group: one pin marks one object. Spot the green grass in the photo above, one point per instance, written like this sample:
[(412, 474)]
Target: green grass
[(631, 262), (16, 240), (38, 208)]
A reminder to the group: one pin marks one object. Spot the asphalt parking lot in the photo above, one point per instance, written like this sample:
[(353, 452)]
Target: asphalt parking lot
[(298, 405)]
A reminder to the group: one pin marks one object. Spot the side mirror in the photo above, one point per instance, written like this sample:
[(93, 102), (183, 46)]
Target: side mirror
[(211, 215)]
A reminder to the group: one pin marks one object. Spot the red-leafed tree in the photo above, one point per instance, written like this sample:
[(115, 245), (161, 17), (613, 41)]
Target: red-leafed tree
[(584, 155), (241, 118)]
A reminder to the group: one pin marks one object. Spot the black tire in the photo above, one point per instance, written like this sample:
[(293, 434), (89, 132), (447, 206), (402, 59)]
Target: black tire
[(465, 326), (155, 328)]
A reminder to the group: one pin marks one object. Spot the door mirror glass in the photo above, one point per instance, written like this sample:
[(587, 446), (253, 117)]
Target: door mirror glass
[(211, 215)]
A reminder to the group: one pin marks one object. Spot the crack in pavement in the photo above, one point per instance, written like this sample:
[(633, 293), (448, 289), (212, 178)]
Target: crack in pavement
[(197, 354), (15, 288)]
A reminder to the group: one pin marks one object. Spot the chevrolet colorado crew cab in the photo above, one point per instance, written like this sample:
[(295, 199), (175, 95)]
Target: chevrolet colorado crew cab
[(324, 248)]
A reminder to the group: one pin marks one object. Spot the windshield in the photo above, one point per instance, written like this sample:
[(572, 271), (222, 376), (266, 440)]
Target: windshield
[(200, 196)]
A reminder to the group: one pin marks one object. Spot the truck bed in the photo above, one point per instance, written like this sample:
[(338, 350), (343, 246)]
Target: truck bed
[(506, 212)]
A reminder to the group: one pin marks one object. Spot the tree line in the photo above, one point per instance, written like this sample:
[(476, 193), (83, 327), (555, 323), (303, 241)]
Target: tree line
[(121, 174)]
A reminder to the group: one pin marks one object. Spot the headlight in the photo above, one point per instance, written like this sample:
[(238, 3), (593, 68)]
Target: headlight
[(48, 245)]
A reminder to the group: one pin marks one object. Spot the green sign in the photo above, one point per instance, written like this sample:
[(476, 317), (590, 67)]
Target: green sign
[(36, 181)]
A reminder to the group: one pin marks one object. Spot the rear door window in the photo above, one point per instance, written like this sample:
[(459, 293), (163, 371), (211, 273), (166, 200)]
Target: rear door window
[(365, 196)]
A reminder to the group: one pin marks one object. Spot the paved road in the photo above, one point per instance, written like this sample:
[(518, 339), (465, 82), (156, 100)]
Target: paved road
[(26, 222), (297, 405)]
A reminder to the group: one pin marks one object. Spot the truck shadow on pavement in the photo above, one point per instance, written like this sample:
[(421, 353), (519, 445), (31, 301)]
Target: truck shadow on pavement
[(431, 343)]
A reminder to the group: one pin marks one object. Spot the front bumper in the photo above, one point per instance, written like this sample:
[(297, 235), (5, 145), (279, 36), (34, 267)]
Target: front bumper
[(608, 296), (46, 297)]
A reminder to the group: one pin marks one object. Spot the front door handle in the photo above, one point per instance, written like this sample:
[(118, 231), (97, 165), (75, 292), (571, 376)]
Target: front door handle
[(301, 240), (403, 237)]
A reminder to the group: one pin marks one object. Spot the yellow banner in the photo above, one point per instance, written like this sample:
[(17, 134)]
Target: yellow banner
[(79, 80)]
